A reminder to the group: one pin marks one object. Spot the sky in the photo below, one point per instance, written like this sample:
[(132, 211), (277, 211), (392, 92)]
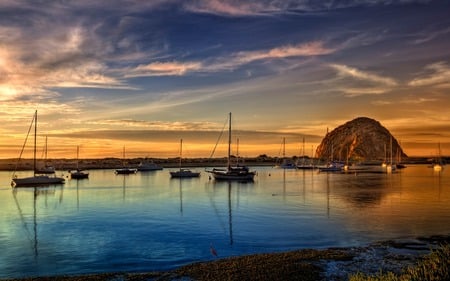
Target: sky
[(141, 75)]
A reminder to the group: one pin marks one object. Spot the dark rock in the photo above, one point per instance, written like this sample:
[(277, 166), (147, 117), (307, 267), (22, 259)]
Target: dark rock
[(362, 139)]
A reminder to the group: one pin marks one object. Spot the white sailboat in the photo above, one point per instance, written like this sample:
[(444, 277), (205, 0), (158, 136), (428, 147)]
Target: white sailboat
[(239, 173), (36, 179), (183, 172)]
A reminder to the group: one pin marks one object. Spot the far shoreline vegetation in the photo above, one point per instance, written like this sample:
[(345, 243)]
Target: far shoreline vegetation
[(13, 164)]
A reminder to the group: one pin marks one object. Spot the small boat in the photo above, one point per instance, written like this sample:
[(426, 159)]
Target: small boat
[(303, 165), (286, 163), (183, 172), (125, 170), (239, 173), (36, 179), (147, 166), (438, 165), (78, 173), (332, 167), (46, 169)]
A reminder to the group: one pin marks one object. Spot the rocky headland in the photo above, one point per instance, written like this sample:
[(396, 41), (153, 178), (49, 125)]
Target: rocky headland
[(361, 139)]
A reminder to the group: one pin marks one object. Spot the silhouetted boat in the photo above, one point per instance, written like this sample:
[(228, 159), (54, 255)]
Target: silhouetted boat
[(239, 173), (285, 162), (36, 179), (125, 170), (147, 166), (183, 172), (78, 173)]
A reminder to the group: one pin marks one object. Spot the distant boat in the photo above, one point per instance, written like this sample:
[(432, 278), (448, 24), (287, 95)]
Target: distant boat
[(125, 170), (303, 165), (285, 163), (183, 172), (239, 173), (78, 173), (36, 179), (46, 169), (333, 166), (438, 165), (147, 166)]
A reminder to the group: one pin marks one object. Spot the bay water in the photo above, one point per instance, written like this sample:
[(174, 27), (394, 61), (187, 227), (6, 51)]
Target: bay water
[(148, 221)]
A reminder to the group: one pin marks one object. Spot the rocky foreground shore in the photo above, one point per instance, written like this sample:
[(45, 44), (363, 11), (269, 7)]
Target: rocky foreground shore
[(334, 264)]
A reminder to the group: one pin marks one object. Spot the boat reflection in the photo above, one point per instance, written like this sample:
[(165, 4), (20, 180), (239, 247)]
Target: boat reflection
[(37, 192)]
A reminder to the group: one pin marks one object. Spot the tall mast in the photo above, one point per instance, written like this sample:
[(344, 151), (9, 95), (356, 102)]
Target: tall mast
[(181, 150), (229, 141), (34, 151)]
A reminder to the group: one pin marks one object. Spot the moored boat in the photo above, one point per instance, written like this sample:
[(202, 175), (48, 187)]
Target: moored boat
[(183, 172), (239, 173), (36, 179)]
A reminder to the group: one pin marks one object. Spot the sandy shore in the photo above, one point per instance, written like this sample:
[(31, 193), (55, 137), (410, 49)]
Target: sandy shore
[(334, 264)]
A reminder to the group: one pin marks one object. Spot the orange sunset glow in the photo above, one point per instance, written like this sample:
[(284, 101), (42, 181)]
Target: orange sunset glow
[(145, 75)]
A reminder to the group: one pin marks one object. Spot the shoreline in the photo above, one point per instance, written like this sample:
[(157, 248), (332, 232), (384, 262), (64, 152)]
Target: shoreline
[(333, 264), (12, 164)]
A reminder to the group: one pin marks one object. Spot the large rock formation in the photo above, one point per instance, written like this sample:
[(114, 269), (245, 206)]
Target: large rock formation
[(362, 139)]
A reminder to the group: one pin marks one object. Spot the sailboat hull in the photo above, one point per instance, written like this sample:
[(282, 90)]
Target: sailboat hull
[(36, 181), (184, 173), (232, 174)]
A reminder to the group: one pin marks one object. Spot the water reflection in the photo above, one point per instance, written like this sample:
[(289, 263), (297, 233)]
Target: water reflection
[(37, 192), (151, 222)]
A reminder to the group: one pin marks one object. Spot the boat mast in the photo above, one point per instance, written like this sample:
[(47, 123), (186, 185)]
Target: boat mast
[(34, 151), (229, 141), (181, 151)]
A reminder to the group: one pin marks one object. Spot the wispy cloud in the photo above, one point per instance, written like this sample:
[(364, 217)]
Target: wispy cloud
[(426, 36), (356, 82), (236, 8), (164, 69), (157, 125), (440, 74), (347, 71), (229, 62)]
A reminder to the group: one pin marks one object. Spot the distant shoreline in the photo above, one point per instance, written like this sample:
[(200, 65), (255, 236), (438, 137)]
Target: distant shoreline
[(114, 163)]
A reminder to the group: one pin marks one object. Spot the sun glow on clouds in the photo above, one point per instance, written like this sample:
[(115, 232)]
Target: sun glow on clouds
[(232, 61)]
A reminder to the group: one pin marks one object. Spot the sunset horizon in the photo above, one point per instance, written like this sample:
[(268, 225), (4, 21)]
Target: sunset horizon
[(104, 76)]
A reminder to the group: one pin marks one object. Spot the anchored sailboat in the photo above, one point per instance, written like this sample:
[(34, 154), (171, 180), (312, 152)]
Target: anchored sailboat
[(183, 172), (36, 179), (239, 173), (78, 173)]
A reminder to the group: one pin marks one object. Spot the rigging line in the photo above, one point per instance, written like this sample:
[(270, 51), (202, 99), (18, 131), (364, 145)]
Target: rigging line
[(218, 139), (23, 146)]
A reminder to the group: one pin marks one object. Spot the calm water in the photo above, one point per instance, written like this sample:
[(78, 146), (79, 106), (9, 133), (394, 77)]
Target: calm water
[(147, 221)]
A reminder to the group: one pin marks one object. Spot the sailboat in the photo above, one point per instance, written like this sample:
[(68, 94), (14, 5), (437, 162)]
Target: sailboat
[(183, 172), (438, 165), (303, 165), (239, 173), (46, 169), (285, 164), (78, 174), (36, 179), (124, 170)]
